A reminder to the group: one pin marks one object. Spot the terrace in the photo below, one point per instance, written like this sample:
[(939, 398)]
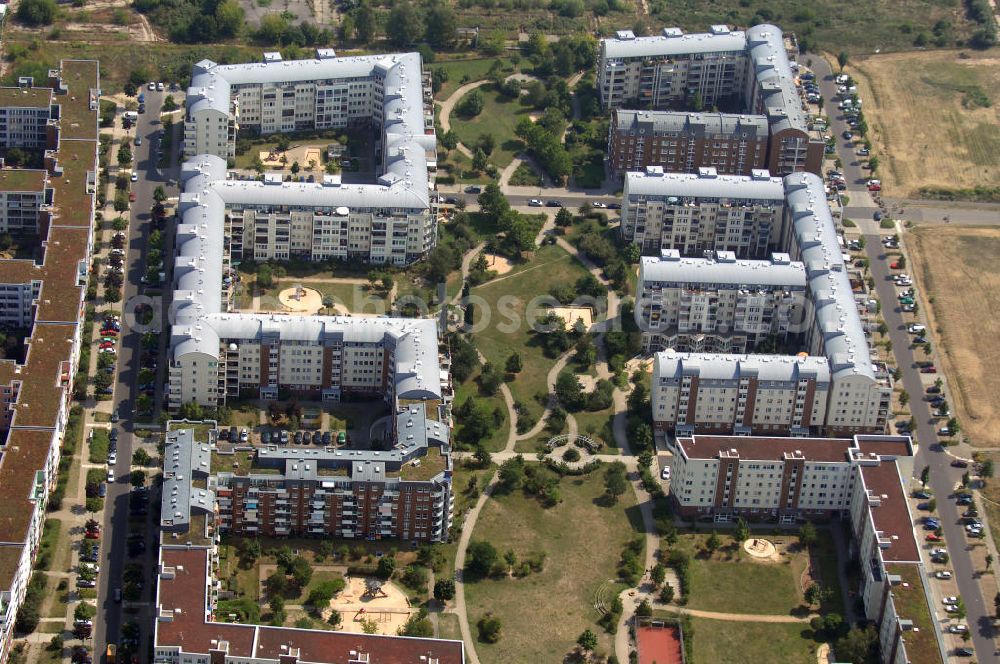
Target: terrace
[(424, 468), (16, 179)]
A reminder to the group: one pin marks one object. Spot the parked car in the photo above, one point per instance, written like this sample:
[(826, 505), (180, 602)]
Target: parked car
[(327, 437), (930, 369), (964, 652), (934, 389), (957, 463), (598, 204), (848, 135), (958, 629), (931, 537), (283, 437), (297, 438), (553, 203), (473, 189), (942, 574), (895, 265), (534, 202), (265, 437), (923, 494), (924, 506), (317, 437)]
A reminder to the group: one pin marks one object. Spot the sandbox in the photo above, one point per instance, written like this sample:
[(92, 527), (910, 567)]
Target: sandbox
[(573, 314), (301, 300), (760, 548), (387, 607)]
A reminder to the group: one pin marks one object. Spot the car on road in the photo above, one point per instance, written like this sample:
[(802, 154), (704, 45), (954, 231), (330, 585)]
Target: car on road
[(553, 203), (958, 629), (134, 177), (117, 594), (473, 189), (848, 135), (535, 202), (599, 204), (942, 575), (928, 370), (138, 141), (877, 216), (957, 463)]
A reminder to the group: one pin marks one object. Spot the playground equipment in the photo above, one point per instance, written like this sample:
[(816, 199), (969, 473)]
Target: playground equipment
[(373, 589)]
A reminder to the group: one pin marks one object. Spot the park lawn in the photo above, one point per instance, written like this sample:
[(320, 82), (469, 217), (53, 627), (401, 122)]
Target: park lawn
[(725, 642), (550, 266), (498, 437), (448, 627), (543, 613), (469, 69), (499, 117), (600, 422), (726, 583)]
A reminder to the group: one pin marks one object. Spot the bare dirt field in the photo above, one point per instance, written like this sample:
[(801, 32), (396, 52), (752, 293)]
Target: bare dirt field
[(960, 269), (934, 117)]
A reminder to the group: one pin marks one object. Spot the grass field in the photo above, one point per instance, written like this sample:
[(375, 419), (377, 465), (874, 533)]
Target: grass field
[(722, 642), (498, 437), (926, 120), (543, 613), (727, 583), (550, 266), (857, 26), (499, 117), (958, 269), (471, 69)]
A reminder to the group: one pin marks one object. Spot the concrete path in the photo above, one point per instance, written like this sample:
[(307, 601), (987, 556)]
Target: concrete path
[(471, 657), (467, 259), (448, 105), (735, 617)]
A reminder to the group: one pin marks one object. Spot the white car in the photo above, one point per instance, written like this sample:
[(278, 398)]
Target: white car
[(598, 204), (534, 202), (111, 474), (942, 574), (950, 600), (112, 459), (152, 85), (90, 567), (665, 473), (159, 87), (937, 551), (915, 328), (958, 629), (135, 177)]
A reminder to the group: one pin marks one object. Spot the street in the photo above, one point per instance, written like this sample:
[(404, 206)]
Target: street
[(108, 624)]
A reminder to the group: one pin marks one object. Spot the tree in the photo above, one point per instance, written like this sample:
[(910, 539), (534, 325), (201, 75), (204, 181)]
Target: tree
[(472, 104), (301, 571), (857, 646), (479, 162), (137, 478), (228, 19), (405, 25), (713, 542), (295, 168), (989, 561), (334, 618), (925, 476), (514, 365), (807, 534), (742, 532), (444, 589), (37, 12), (365, 23), (511, 474), (587, 641), (986, 469), (489, 628), (440, 26), (386, 567), (276, 584), (481, 557), (904, 397), (658, 574), (124, 155), (418, 624), (568, 390), (615, 480), (141, 458), (842, 60), (813, 593), (645, 609), (84, 611)]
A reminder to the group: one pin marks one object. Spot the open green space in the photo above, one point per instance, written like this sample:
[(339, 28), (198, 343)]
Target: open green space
[(724, 642), (461, 72), (499, 116), (730, 582), (857, 26), (508, 330), (498, 435), (448, 627), (544, 612)]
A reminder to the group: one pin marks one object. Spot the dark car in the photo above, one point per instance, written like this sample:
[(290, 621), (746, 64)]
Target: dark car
[(553, 203), (451, 200), (923, 495), (265, 437), (614, 206), (113, 434), (317, 437), (965, 652), (877, 216), (934, 389), (959, 463), (297, 438), (473, 189), (327, 437)]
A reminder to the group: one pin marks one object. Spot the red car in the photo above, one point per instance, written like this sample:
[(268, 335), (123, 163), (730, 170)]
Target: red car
[(894, 265), (930, 369), (109, 332), (93, 534), (131, 197), (931, 537), (874, 187)]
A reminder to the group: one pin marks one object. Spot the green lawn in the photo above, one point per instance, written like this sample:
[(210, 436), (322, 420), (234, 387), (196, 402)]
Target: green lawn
[(601, 423), (550, 266), (723, 642), (729, 583), (448, 627), (498, 437), (543, 613), (472, 69), (499, 117)]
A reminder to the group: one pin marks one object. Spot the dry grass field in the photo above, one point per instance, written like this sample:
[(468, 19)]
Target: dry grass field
[(929, 119), (960, 269)]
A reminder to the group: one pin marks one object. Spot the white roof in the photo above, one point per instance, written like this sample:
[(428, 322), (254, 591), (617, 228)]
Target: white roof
[(723, 366), (741, 273), (681, 44), (653, 182)]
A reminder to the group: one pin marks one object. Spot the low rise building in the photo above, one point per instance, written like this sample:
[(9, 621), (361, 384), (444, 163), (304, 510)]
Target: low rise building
[(682, 142), (704, 211), (719, 303)]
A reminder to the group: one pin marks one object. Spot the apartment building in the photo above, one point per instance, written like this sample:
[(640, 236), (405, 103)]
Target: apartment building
[(188, 629), (35, 394), (718, 303), (28, 116), (25, 201), (704, 211), (749, 71), (863, 480), (681, 142)]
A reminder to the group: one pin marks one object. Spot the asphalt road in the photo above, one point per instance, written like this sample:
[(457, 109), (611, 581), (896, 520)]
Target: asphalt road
[(943, 477), (855, 175), (107, 627)]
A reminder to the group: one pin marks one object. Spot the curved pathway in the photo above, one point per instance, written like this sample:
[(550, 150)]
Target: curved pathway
[(467, 259), (448, 105)]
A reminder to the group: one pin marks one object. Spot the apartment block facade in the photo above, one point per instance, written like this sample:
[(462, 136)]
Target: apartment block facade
[(704, 211), (25, 201), (28, 116), (722, 68), (718, 304), (680, 142)]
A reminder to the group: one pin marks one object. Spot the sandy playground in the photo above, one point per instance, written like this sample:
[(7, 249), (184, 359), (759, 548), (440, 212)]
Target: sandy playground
[(300, 153), (301, 300), (573, 314), (389, 609), (499, 264)]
